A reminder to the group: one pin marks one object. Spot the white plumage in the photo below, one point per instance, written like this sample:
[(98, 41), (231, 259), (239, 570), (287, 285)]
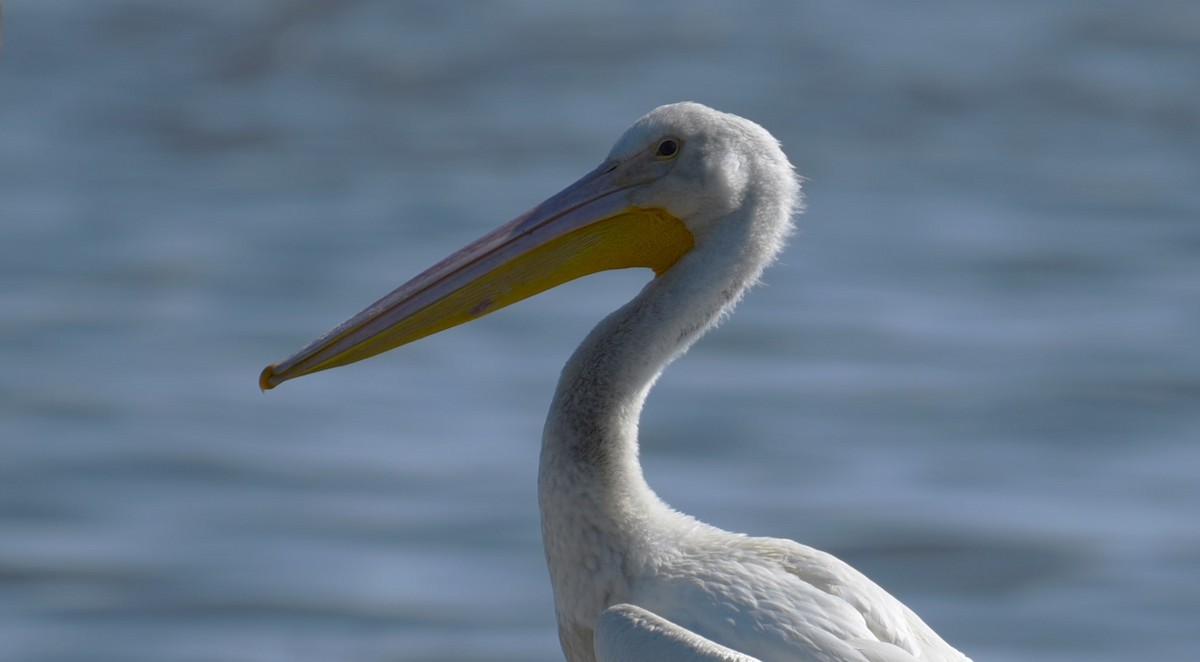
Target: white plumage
[(706, 199)]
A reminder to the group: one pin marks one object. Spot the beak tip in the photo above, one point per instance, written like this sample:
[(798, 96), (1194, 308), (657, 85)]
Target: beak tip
[(268, 380)]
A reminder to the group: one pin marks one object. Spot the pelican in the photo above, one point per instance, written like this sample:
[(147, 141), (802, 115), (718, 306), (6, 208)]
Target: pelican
[(706, 200)]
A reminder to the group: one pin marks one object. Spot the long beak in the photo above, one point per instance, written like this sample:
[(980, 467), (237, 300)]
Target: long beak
[(586, 228)]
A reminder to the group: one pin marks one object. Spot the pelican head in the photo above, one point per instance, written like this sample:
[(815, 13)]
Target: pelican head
[(671, 185), (709, 164)]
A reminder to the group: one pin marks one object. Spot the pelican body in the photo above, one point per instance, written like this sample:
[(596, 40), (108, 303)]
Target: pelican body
[(706, 200)]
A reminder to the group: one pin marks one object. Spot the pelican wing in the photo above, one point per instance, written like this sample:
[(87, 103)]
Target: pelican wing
[(776, 599), (627, 633), (896, 633)]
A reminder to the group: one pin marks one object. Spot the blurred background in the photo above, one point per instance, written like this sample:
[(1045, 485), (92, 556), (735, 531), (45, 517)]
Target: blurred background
[(974, 375)]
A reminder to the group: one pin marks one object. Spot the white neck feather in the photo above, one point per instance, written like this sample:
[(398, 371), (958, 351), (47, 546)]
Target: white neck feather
[(597, 510)]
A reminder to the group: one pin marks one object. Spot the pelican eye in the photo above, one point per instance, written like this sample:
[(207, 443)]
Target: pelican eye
[(667, 148)]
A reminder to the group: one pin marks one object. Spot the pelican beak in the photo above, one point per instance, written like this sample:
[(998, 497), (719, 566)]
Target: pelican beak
[(588, 227)]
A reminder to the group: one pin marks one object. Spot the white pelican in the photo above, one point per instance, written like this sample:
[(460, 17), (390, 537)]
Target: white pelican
[(705, 199)]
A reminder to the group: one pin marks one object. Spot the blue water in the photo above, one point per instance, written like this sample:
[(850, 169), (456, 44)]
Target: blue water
[(974, 375)]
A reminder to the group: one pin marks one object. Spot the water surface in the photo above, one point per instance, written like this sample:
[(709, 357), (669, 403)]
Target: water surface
[(974, 374)]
